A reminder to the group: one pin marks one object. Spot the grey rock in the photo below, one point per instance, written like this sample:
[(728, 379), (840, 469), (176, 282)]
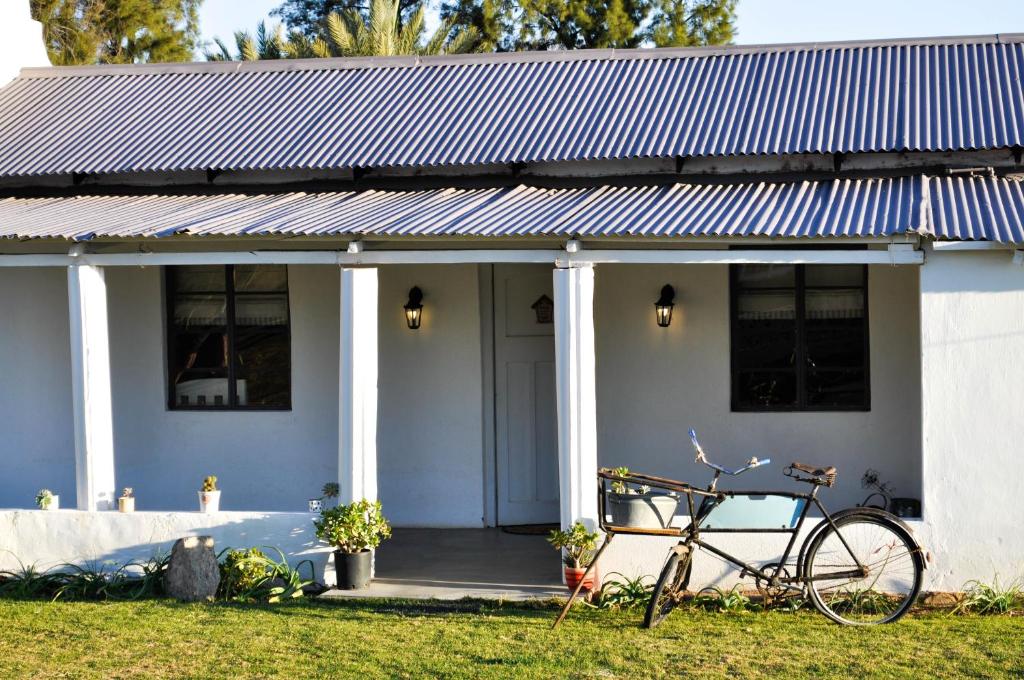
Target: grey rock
[(192, 574)]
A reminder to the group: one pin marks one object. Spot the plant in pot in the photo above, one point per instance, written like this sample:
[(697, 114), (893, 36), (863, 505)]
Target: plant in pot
[(126, 503), (635, 505), (353, 530), (330, 490), (577, 546), (47, 500), (209, 495)]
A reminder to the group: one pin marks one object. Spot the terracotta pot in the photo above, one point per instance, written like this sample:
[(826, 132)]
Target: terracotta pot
[(573, 576)]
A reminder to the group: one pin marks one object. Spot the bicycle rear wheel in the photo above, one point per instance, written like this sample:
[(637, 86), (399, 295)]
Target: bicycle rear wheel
[(883, 590), (675, 576)]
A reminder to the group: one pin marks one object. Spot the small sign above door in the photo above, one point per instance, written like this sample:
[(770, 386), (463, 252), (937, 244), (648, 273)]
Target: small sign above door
[(544, 308)]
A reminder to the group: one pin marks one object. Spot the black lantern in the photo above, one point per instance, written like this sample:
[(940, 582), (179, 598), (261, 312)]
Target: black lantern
[(414, 308), (663, 307)]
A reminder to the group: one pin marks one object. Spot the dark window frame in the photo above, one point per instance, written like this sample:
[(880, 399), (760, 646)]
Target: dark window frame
[(800, 368), (171, 337)]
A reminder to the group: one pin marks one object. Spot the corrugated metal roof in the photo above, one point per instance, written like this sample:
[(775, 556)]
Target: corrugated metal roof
[(873, 207), (943, 94), (978, 208)]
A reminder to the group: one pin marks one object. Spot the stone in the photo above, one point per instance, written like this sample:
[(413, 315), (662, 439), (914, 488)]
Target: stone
[(192, 573)]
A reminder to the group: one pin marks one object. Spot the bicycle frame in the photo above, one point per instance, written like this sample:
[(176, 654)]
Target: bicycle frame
[(711, 498)]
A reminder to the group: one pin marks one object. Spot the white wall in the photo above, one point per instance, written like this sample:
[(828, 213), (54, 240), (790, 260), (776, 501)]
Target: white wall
[(38, 448), (654, 383), (430, 441), (972, 343), (264, 460)]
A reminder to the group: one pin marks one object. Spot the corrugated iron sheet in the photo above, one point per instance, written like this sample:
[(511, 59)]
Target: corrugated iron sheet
[(873, 207), (912, 95), (978, 209)]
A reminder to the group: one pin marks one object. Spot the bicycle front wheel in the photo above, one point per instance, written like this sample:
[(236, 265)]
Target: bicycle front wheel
[(866, 570), (675, 575)]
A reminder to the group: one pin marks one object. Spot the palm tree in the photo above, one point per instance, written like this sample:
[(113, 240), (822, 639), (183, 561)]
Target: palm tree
[(350, 34)]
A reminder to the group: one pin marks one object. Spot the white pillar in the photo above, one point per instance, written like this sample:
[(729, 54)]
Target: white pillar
[(357, 396), (577, 401), (90, 388)]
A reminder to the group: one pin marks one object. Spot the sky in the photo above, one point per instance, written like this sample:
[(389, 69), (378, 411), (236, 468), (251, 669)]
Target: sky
[(763, 21)]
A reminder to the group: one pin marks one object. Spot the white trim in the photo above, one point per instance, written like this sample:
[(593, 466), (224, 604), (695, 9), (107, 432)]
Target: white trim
[(357, 387), (972, 245), (560, 258), (575, 370), (90, 388)]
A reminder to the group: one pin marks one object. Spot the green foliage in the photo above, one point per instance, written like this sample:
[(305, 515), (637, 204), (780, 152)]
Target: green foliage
[(624, 593), (984, 598), (44, 498), (250, 575), (129, 581), (354, 527), (379, 32), (308, 18), (507, 25), (118, 31), (716, 599), (330, 490), (210, 483), (576, 543)]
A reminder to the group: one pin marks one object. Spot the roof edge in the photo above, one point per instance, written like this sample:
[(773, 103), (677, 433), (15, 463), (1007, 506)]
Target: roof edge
[(349, 63)]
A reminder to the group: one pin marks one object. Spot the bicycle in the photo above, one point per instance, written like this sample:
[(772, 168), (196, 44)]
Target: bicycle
[(859, 566)]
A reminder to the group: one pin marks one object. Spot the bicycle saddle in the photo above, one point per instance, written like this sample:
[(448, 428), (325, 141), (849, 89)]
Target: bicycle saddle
[(827, 475)]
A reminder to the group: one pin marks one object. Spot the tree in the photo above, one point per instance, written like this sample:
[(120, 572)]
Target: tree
[(351, 34), (118, 31), (309, 17), (571, 24)]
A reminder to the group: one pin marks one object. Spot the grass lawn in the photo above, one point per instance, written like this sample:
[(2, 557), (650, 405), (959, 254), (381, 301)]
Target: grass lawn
[(158, 638)]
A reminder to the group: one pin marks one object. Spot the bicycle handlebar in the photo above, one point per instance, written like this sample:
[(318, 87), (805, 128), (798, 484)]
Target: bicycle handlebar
[(702, 458)]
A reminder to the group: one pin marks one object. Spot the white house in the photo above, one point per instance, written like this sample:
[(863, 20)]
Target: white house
[(205, 267)]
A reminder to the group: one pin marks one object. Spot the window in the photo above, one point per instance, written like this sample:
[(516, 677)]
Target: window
[(799, 338), (228, 339)]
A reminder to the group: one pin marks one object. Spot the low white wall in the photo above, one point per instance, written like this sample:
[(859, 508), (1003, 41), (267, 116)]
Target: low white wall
[(654, 383), (972, 341), (110, 539)]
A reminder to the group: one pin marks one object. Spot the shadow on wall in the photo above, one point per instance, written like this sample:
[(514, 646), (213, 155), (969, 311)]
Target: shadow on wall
[(98, 539)]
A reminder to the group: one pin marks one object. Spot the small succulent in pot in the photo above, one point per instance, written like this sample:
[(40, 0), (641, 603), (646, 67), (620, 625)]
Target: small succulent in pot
[(577, 546), (126, 503), (47, 500), (330, 490), (209, 495)]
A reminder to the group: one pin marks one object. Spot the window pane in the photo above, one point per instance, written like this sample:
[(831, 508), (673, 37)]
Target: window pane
[(834, 275), (765, 389), (204, 278), (263, 368), (766, 276), (835, 328), (262, 278), (200, 310), (261, 309), (765, 329), (199, 368), (836, 388)]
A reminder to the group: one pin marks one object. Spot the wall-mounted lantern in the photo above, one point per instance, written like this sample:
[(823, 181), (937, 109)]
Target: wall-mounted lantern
[(414, 308), (663, 307), (544, 308)]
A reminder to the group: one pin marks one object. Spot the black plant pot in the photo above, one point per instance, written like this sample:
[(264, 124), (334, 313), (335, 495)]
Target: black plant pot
[(353, 569)]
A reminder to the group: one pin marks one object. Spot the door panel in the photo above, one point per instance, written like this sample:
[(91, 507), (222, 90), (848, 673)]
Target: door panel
[(525, 410)]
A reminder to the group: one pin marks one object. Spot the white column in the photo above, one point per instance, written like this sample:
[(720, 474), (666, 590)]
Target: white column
[(90, 388), (357, 396), (577, 401)]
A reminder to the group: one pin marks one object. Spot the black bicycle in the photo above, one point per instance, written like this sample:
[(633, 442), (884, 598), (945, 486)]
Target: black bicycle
[(858, 566)]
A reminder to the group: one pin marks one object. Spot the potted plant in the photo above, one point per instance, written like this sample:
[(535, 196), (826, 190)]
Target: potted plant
[(353, 530), (126, 503), (577, 546), (47, 500), (638, 506), (209, 496), (330, 490)]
